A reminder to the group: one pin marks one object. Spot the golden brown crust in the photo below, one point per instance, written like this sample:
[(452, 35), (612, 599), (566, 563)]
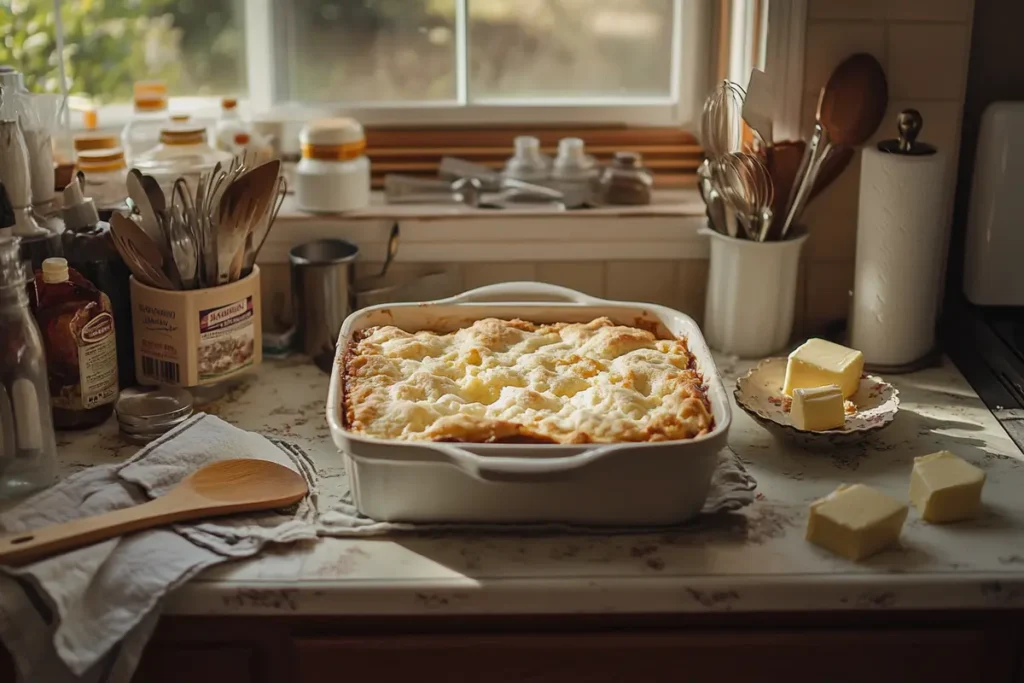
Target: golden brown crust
[(518, 381)]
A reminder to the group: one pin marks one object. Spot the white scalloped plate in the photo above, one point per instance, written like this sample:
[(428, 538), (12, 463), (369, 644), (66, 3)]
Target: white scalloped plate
[(759, 393)]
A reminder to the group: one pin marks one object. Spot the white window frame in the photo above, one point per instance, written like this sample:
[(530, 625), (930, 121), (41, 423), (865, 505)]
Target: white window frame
[(688, 83), (692, 63)]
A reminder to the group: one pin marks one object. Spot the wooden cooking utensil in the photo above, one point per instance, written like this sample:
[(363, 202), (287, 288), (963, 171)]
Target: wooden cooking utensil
[(850, 108), (220, 488)]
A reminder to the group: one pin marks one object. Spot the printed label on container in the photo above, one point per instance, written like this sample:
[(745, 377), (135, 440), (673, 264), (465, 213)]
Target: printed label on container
[(97, 362), (226, 339)]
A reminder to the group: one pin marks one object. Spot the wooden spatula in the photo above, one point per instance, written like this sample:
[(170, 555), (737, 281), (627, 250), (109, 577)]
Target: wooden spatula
[(220, 488)]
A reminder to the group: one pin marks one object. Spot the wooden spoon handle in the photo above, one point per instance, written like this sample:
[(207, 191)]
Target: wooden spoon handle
[(22, 548)]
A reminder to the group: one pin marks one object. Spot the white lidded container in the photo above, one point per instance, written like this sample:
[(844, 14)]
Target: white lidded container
[(597, 484), (334, 173)]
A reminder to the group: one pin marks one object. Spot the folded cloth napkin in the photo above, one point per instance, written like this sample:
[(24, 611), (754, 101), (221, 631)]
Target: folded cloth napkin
[(86, 615), (732, 488)]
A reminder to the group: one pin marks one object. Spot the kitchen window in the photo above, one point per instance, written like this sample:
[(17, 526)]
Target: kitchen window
[(600, 69)]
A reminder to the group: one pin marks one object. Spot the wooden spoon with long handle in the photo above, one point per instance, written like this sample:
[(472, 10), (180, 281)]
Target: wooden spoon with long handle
[(220, 488), (850, 108)]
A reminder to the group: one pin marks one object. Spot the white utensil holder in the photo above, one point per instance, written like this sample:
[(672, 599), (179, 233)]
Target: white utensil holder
[(751, 294)]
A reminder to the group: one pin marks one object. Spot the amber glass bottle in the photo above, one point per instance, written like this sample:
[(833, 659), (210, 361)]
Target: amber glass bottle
[(81, 351)]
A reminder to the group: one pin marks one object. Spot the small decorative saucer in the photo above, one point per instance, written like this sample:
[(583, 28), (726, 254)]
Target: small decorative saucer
[(759, 393)]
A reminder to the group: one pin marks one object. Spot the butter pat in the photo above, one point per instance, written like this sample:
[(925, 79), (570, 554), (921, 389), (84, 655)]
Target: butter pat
[(855, 521), (818, 409), (817, 362), (945, 488)]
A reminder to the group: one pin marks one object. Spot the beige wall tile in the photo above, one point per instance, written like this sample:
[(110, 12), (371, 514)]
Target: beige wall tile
[(692, 286), (926, 10), (846, 9), (828, 293), (830, 42), (480, 274), (584, 276), (831, 217), (928, 60), (646, 281)]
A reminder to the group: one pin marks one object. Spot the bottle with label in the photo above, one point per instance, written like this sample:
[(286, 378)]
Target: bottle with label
[(89, 249), (81, 350), (28, 450)]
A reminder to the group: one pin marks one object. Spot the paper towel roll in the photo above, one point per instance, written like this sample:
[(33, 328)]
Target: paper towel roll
[(901, 235)]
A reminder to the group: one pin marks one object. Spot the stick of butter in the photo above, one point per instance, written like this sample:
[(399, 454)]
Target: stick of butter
[(817, 362), (945, 488), (855, 521), (818, 409)]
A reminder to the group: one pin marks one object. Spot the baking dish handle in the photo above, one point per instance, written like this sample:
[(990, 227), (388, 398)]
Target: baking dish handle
[(503, 469), (523, 291)]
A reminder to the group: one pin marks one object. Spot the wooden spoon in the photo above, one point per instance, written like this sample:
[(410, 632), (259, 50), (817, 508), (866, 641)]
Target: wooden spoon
[(784, 165), (220, 488), (850, 108)]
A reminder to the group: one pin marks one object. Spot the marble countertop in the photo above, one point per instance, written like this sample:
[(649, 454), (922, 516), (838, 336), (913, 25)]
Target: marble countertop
[(753, 560)]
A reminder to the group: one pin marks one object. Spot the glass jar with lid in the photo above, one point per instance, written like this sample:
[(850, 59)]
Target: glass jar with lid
[(626, 180), (105, 174), (183, 151), (148, 117)]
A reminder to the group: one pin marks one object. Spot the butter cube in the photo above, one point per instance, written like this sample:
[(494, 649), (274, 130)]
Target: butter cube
[(945, 488), (818, 409), (817, 362), (855, 521)]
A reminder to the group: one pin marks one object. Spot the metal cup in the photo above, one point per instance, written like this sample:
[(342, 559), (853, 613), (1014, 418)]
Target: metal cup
[(323, 295)]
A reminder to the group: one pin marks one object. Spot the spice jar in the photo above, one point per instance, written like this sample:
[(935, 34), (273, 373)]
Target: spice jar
[(626, 181), (28, 450), (334, 173), (106, 175)]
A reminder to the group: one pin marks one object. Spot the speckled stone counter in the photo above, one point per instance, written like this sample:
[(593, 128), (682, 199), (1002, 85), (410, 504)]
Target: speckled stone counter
[(755, 560)]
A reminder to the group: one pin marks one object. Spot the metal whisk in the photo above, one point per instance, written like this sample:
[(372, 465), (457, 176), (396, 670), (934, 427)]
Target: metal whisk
[(746, 186), (721, 122)]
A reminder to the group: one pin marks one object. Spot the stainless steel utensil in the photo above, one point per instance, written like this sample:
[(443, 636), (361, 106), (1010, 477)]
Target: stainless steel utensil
[(180, 235), (721, 122), (402, 189), (746, 186)]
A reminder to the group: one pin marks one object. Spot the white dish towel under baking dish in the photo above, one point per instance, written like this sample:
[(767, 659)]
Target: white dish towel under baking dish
[(86, 615)]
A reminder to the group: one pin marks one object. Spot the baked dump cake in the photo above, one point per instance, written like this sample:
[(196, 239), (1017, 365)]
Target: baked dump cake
[(511, 380)]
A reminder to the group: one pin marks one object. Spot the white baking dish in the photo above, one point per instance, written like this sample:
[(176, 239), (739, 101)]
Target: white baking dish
[(603, 484)]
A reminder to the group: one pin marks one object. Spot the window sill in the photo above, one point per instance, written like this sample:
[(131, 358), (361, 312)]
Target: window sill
[(665, 230)]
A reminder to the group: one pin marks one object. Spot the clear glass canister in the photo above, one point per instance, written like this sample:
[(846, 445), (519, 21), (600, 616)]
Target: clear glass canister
[(183, 152), (148, 118), (106, 175), (28, 450)]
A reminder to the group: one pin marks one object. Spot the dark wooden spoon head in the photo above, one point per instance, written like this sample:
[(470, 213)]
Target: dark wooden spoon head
[(853, 102)]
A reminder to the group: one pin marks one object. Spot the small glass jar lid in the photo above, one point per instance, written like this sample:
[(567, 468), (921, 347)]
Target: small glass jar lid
[(152, 407)]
